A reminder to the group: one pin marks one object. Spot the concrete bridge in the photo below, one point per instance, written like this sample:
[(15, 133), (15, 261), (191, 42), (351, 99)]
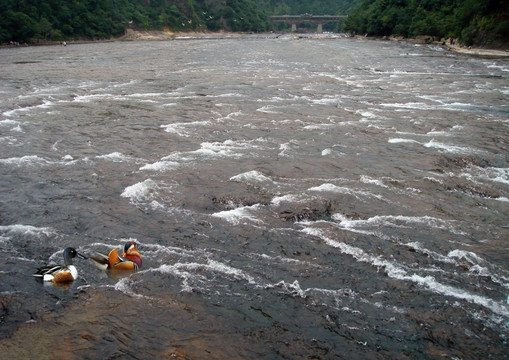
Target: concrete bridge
[(320, 20)]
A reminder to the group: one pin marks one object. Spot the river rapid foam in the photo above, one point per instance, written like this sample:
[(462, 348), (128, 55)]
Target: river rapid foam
[(291, 197)]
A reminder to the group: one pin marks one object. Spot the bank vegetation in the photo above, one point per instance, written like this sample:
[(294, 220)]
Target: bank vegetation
[(473, 22)]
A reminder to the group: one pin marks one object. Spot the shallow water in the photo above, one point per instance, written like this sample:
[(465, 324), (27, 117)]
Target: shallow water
[(291, 198)]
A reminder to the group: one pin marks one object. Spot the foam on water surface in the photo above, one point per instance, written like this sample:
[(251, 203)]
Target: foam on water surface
[(115, 157), (27, 230), (396, 271), (353, 203), (399, 221), (208, 151), (146, 193), (251, 176), (359, 194), (240, 214)]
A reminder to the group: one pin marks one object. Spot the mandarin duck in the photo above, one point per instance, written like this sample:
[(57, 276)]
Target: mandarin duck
[(129, 260)]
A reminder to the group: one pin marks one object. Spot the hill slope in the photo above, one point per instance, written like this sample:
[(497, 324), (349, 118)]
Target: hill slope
[(33, 20), (474, 22)]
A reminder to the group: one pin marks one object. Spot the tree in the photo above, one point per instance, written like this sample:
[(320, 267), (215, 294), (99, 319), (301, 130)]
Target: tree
[(473, 21), (20, 26), (44, 28)]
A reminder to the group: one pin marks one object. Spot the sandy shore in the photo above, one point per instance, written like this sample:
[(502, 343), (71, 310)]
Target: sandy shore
[(131, 35), (154, 35), (478, 51), (456, 48)]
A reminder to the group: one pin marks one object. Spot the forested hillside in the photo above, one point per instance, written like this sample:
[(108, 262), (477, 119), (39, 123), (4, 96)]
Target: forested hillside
[(59, 19), (472, 21), (479, 22), (316, 7), (30, 20)]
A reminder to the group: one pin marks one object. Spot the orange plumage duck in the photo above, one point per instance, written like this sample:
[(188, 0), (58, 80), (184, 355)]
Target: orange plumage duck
[(129, 260)]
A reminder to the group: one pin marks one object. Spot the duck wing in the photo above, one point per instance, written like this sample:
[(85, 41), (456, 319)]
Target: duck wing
[(125, 264), (100, 260), (45, 270)]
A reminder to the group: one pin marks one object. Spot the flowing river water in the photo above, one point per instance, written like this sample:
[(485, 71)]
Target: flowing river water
[(291, 197)]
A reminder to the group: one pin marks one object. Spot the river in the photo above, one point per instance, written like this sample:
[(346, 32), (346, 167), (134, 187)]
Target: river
[(292, 198)]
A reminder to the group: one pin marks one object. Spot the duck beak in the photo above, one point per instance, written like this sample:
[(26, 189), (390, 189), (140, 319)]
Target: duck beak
[(81, 256)]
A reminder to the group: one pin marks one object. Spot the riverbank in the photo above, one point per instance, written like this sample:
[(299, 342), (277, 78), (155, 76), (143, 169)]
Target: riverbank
[(166, 35), (478, 51), (132, 35), (153, 35), (446, 44)]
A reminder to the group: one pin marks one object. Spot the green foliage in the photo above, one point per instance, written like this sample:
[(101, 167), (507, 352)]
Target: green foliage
[(472, 21), (33, 20), (18, 26), (322, 7), (502, 28)]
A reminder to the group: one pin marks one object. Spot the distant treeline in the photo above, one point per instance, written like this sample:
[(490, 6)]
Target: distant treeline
[(32, 20), (472, 21), (479, 22), (22, 20), (315, 7)]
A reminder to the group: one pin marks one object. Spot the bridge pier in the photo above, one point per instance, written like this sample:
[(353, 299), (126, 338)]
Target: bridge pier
[(319, 28)]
